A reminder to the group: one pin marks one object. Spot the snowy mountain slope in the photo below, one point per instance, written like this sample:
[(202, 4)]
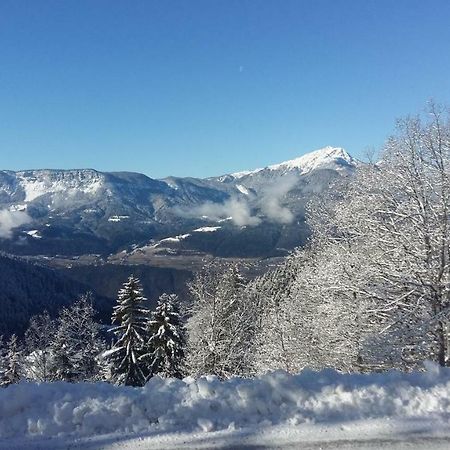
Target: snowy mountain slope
[(86, 211), (80, 186)]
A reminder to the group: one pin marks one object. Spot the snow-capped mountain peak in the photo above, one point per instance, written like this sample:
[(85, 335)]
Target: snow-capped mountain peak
[(317, 159), (325, 158)]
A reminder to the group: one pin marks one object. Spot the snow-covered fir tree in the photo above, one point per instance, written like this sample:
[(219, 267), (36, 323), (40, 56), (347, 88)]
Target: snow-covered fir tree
[(38, 348), (77, 344), (167, 341), (13, 360), (2, 360), (131, 315)]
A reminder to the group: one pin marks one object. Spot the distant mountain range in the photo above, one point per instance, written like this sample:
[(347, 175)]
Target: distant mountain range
[(246, 214)]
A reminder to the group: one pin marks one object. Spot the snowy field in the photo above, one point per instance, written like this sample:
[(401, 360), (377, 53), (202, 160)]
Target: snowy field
[(310, 410)]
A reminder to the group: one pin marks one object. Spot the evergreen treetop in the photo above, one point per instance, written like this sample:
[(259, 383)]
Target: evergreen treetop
[(167, 338)]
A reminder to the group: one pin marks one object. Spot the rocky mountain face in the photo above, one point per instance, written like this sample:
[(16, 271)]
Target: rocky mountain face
[(246, 214)]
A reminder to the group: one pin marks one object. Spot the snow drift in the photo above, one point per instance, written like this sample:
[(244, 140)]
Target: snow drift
[(207, 404)]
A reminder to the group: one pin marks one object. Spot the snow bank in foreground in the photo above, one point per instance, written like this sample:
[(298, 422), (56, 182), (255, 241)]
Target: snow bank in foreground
[(206, 404)]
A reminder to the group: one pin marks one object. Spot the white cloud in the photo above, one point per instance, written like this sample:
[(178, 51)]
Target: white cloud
[(240, 210), (272, 197), (10, 220), (237, 209)]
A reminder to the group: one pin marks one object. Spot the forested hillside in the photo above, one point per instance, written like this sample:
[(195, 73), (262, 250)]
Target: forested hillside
[(27, 289)]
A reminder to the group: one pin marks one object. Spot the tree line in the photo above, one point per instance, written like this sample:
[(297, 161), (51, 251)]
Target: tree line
[(74, 347)]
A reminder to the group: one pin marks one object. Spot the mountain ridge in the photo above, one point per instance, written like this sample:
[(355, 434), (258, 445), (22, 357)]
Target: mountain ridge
[(77, 211), (327, 150)]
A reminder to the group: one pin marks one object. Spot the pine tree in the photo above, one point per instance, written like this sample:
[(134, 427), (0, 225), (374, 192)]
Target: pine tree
[(3, 364), (77, 343), (38, 342), (167, 338), (131, 316), (12, 369)]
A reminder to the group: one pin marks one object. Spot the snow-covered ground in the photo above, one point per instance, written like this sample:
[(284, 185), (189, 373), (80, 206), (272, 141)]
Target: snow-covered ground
[(310, 410), (207, 229)]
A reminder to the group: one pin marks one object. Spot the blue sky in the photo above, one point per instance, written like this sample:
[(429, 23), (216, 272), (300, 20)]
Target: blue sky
[(205, 87)]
